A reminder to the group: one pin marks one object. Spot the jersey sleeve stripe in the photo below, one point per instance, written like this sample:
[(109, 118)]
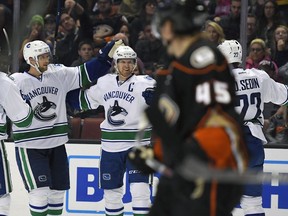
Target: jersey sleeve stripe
[(3, 129), (85, 80), (195, 71), (25, 122), (84, 102)]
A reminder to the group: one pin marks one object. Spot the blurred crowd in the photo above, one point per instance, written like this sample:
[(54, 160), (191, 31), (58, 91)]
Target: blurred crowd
[(85, 26)]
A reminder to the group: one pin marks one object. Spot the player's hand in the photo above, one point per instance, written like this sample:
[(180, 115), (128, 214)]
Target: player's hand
[(107, 52), (138, 156), (148, 95)]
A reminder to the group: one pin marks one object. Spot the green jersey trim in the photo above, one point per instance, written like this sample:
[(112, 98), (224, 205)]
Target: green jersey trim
[(25, 122), (34, 134), (124, 135)]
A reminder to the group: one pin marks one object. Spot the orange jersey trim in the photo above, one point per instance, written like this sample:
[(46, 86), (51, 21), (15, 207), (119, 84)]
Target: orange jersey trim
[(163, 72), (206, 70)]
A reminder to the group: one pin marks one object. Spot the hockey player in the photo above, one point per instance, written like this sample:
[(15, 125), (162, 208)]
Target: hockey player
[(124, 96), (40, 150), (19, 112), (194, 116), (253, 88)]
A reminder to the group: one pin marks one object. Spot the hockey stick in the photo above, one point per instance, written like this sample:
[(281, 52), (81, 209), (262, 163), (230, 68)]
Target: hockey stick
[(56, 29), (9, 49), (192, 169)]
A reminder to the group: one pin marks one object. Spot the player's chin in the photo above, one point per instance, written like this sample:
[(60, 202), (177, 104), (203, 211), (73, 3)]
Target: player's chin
[(43, 69)]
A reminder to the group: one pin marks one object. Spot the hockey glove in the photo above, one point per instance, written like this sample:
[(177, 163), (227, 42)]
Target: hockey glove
[(138, 156), (107, 52), (148, 95)]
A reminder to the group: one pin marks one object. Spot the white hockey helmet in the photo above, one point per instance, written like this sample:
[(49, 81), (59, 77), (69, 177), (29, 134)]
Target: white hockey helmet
[(124, 52), (232, 50), (34, 49)]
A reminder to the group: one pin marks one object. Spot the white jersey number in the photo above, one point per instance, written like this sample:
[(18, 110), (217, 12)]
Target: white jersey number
[(220, 89), (254, 99)]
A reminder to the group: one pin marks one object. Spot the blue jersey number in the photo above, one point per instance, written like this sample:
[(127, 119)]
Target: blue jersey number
[(255, 99)]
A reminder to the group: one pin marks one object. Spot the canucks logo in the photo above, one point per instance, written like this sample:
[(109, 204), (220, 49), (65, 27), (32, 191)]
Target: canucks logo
[(40, 111), (113, 114)]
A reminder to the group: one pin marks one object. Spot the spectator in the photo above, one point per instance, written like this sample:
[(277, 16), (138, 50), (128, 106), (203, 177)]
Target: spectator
[(277, 129), (67, 48), (5, 28), (251, 28), (148, 47), (130, 9), (218, 8), (279, 49), (49, 27), (268, 21), (231, 23), (257, 8), (36, 32), (144, 18), (283, 8), (105, 12), (85, 52), (125, 29), (214, 32), (257, 53)]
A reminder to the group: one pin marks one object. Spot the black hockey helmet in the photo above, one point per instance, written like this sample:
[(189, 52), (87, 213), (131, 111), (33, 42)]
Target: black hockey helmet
[(187, 16)]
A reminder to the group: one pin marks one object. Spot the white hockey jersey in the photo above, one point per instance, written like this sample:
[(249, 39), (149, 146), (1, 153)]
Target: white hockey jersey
[(12, 105), (254, 88), (123, 106), (47, 97)]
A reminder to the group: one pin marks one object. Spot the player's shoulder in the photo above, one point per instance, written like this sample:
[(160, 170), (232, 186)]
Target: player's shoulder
[(259, 73), (55, 67), (107, 77), (5, 79), (144, 78), (19, 76), (202, 57)]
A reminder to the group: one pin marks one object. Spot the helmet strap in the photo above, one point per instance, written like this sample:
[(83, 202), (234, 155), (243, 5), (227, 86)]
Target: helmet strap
[(36, 66)]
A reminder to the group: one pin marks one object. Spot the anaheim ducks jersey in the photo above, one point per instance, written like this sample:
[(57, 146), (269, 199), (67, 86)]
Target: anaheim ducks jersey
[(254, 88), (12, 105), (46, 96), (123, 104), (197, 95)]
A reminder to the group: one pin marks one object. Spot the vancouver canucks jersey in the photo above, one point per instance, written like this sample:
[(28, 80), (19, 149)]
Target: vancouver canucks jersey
[(123, 104), (12, 105), (47, 98), (254, 88)]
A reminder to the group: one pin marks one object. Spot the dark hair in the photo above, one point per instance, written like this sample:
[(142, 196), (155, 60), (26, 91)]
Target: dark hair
[(89, 42)]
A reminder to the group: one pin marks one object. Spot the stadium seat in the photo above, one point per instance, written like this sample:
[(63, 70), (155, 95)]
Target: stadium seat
[(91, 128), (75, 124)]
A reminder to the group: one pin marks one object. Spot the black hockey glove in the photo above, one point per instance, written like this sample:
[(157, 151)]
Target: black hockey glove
[(148, 95), (138, 156), (107, 52)]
